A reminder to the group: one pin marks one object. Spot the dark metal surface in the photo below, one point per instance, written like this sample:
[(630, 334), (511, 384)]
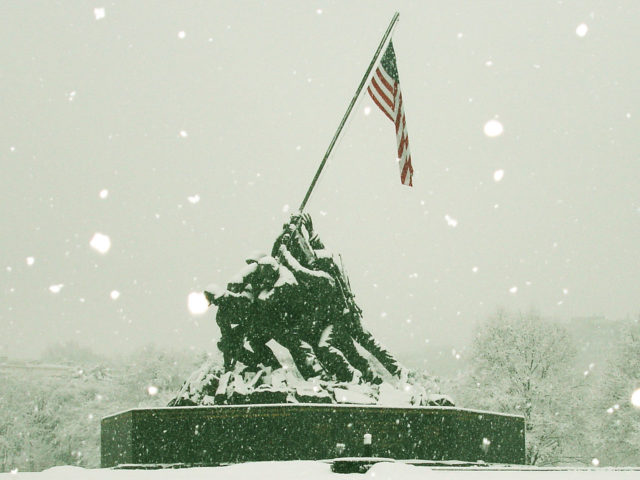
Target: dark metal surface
[(234, 434)]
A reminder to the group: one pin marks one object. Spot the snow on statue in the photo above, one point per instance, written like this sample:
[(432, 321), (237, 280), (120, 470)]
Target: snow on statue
[(291, 331)]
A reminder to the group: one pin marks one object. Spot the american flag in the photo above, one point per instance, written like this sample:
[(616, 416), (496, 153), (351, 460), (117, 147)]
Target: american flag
[(384, 89)]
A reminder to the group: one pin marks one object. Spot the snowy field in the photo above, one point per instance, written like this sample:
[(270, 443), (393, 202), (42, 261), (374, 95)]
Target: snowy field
[(310, 470)]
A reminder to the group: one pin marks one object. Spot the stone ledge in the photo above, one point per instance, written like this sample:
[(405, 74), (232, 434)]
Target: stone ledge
[(234, 434)]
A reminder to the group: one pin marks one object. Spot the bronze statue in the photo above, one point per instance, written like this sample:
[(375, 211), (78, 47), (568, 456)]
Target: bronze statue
[(298, 298)]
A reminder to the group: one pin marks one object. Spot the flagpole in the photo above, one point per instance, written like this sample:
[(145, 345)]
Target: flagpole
[(348, 112)]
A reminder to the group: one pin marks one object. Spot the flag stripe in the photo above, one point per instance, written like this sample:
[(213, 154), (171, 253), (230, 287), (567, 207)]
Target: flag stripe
[(404, 142), (379, 104), (384, 81), (390, 80), (399, 113), (382, 94), (407, 169)]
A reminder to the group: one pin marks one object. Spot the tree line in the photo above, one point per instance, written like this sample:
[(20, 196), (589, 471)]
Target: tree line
[(518, 363)]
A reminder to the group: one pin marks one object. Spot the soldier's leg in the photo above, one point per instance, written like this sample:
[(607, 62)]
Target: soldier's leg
[(366, 340), (348, 349), (333, 360), (303, 356), (261, 353)]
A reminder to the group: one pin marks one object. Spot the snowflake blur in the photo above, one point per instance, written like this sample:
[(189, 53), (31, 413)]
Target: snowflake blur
[(100, 242), (493, 128), (99, 13), (197, 303), (582, 30)]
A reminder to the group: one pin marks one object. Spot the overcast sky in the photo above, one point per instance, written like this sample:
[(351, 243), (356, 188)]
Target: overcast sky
[(184, 131)]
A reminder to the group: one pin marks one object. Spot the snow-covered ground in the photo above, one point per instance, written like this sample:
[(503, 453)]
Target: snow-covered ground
[(311, 470)]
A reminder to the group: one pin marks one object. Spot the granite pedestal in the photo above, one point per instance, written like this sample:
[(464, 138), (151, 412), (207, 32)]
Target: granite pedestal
[(244, 433)]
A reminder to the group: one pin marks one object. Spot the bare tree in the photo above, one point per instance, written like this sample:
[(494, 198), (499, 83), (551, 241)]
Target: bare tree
[(519, 364)]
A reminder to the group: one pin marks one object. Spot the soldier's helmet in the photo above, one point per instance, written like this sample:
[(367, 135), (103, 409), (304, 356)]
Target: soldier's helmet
[(213, 292), (255, 256), (268, 269), (324, 260)]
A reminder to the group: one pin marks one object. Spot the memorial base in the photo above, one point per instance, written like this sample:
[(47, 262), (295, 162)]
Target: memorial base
[(247, 433)]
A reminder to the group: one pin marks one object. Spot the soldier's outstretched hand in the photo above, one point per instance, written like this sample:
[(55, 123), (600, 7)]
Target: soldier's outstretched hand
[(308, 223)]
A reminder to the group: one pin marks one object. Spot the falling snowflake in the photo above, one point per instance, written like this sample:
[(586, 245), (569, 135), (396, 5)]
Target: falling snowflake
[(513, 289), (182, 34), (100, 242), (595, 462), (184, 134), (99, 13), (285, 208), (635, 398), (152, 390), (104, 193), (582, 30), (367, 110), (56, 288), (452, 222), (115, 294), (197, 303), (474, 269), (498, 175), (493, 128), (30, 261), (194, 198)]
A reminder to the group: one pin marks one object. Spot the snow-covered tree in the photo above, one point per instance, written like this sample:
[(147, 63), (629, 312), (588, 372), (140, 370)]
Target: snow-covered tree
[(616, 425), (521, 364)]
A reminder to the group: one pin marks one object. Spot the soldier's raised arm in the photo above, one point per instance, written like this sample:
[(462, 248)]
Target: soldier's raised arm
[(305, 276)]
